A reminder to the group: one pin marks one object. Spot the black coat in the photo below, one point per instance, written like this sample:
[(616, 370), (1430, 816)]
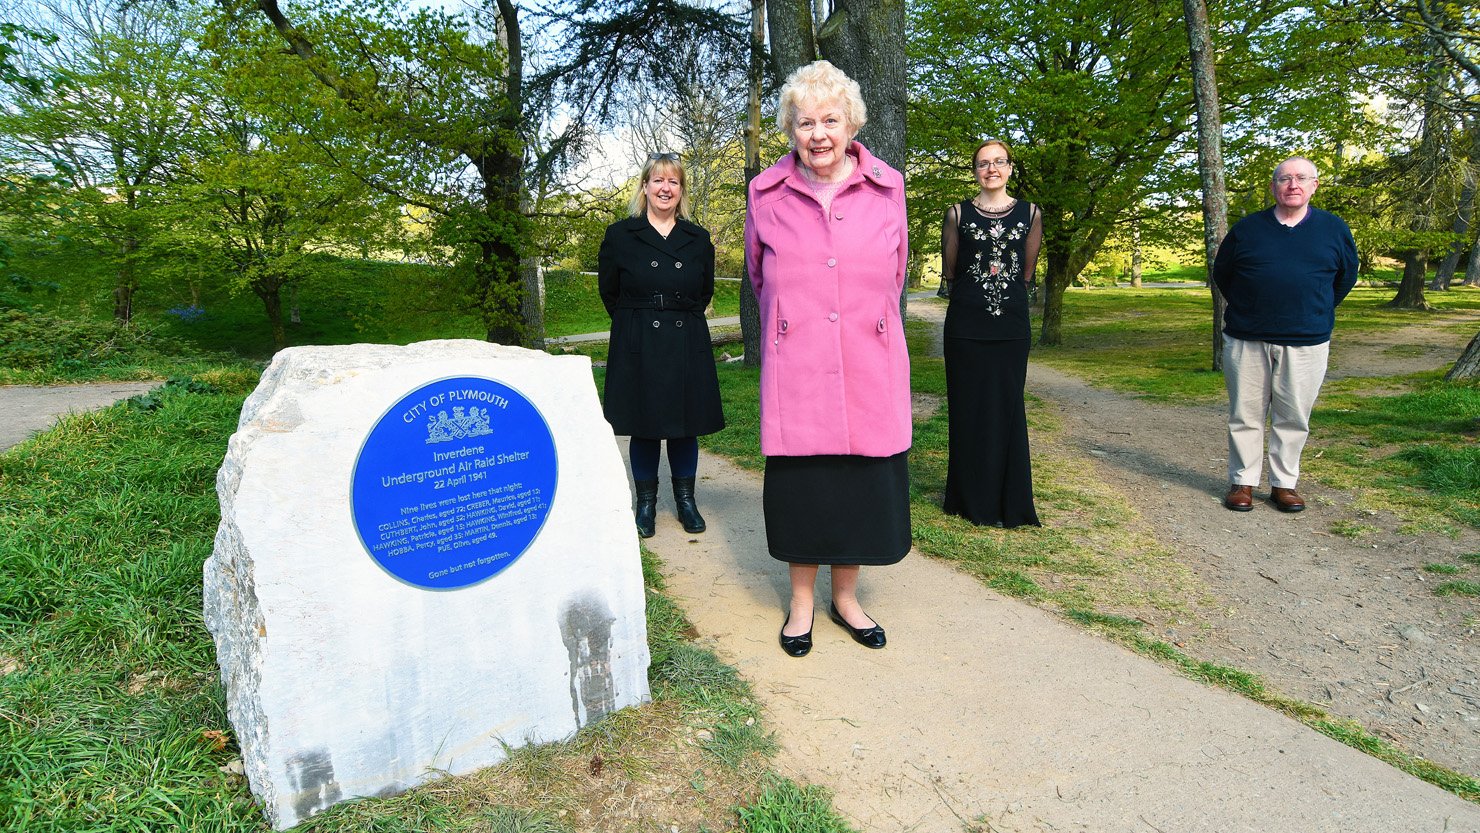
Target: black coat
[(660, 377)]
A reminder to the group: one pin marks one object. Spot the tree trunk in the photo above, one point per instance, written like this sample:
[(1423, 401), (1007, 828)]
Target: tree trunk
[(1410, 291), (1056, 277), (1463, 213), (1468, 364), (865, 39), (1209, 154), (127, 280), (1135, 254), (123, 293), (532, 303), (269, 289), (750, 310), (792, 42), (1472, 273), (1416, 261)]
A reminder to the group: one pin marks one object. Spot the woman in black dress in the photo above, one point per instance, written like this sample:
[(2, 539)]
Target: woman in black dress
[(989, 248), (656, 276)]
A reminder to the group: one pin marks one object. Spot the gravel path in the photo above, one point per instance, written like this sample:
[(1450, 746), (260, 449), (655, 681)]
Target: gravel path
[(24, 410)]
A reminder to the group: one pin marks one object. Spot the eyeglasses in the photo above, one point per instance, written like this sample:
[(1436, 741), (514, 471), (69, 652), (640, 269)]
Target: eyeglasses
[(1286, 179), (666, 156), (993, 163)]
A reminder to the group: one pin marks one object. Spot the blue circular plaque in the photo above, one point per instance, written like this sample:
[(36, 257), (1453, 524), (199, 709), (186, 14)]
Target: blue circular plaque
[(454, 482)]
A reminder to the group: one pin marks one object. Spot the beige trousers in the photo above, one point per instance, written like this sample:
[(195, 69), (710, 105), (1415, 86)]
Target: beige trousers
[(1279, 384)]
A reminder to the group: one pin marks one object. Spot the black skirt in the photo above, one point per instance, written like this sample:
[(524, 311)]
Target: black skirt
[(989, 478), (838, 509)]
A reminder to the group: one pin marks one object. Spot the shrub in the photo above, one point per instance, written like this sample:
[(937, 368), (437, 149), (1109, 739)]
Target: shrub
[(35, 341)]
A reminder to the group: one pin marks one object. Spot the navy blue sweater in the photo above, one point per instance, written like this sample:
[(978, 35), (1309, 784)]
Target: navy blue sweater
[(1283, 283)]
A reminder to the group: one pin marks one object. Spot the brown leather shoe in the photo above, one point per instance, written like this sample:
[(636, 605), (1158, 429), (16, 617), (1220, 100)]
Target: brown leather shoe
[(1286, 500), (1239, 498)]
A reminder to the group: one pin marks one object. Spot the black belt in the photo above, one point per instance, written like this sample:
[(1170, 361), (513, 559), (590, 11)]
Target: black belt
[(659, 301)]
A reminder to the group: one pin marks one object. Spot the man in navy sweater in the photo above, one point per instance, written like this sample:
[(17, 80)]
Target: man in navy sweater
[(1283, 271)]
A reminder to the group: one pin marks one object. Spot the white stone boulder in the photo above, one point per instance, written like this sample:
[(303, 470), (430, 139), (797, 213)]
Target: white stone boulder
[(395, 593)]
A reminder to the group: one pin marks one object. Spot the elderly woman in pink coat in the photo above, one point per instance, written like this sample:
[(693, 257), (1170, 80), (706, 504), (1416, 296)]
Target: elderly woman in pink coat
[(826, 247)]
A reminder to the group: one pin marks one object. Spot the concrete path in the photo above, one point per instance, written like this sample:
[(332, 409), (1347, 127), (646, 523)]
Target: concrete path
[(26, 410), (987, 711)]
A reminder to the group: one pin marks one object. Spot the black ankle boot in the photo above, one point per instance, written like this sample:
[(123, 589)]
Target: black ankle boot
[(683, 502), (647, 507)]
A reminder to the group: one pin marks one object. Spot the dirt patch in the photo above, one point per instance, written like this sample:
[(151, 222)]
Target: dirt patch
[(1414, 349), (1348, 623)]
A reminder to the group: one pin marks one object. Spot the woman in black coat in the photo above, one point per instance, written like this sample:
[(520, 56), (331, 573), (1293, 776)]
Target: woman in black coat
[(656, 276)]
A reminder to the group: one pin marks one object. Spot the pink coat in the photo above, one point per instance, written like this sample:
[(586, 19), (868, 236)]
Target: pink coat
[(835, 372)]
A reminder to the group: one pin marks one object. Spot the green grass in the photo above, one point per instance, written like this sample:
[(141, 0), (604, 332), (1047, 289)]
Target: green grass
[(1152, 342), (1443, 569), (1157, 343), (111, 711), (1459, 588), (785, 807), (41, 348), (1412, 451)]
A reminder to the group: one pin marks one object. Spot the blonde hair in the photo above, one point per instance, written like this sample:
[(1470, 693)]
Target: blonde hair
[(821, 83), (638, 205)]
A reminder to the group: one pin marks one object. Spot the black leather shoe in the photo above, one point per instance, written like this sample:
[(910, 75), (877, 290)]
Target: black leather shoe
[(867, 637), (646, 512), (684, 506), (797, 646)]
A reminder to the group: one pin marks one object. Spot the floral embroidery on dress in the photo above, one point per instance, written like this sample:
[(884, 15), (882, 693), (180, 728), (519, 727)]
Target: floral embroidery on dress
[(1002, 265)]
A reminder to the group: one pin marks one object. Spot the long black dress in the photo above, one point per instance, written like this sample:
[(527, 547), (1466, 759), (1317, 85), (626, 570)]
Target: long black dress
[(660, 376), (989, 478)]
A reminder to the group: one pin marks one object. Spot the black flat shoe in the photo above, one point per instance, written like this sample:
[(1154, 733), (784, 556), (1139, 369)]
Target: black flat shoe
[(867, 637), (797, 646)]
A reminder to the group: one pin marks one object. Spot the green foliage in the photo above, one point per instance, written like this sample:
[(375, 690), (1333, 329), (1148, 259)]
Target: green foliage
[(156, 399), (11, 74), (785, 807), (1097, 102), (69, 348), (110, 128)]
